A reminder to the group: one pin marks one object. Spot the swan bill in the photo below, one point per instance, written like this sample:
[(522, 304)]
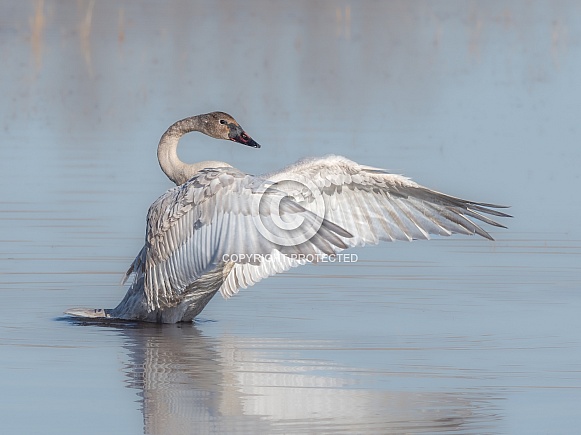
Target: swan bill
[(238, 135)]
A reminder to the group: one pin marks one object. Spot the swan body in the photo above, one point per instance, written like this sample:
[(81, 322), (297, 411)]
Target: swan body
[(221, 229)]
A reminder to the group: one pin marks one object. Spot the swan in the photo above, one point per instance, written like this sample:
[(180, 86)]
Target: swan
[(220, 229)]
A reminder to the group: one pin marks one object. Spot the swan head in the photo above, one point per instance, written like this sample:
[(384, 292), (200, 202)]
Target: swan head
[(220, 125)]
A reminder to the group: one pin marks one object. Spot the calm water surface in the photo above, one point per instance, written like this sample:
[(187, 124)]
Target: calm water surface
[(476, 99)]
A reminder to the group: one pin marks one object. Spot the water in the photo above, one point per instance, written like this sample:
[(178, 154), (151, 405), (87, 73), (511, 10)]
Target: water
[(476, 99)]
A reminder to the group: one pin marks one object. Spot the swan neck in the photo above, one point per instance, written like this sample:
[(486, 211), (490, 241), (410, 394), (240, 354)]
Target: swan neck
[(176, 170)]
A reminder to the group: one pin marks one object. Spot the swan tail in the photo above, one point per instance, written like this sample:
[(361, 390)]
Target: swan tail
[(89, 313)]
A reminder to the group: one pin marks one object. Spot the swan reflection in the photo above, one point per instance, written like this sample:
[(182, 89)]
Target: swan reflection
[(192, 383)]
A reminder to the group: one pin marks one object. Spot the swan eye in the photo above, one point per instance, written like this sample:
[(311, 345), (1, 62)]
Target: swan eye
[(223, 122)]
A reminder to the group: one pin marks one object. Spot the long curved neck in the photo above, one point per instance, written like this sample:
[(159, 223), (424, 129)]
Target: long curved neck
[(176, 170)]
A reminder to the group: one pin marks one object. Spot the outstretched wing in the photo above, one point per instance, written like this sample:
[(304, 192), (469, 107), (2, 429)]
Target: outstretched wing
[(222, 216), (374, 205), (371, 204)]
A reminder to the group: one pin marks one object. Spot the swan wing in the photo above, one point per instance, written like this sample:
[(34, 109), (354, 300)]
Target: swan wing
[(373, 204), (370, 203), (222, 216)]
